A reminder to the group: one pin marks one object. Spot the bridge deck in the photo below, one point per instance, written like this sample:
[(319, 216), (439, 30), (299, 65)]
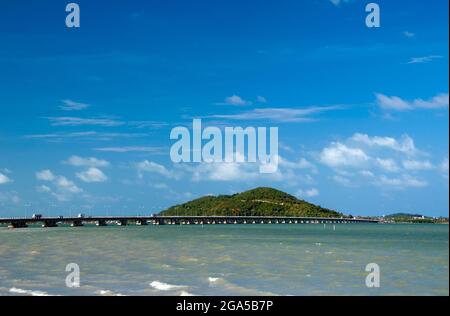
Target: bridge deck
[(161, 220)]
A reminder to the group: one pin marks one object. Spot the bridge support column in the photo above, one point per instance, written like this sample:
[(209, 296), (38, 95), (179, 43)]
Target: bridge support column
[(141, 222), (161, 222), (77, 224), (101, 223), (48, 224), (122, 222), (18, 225)]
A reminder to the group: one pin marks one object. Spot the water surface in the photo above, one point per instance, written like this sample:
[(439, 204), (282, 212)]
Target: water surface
[(226, 260)]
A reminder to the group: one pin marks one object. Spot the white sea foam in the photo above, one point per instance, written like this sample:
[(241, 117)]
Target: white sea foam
[(236, 289), (108, 293), (213, 280), (161, 286), (15, 290)]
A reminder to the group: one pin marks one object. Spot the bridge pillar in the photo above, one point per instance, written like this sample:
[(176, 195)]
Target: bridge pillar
[(141, 222), (122, 222), (101, 223), (77, 223), (18, 225), (48, 224)]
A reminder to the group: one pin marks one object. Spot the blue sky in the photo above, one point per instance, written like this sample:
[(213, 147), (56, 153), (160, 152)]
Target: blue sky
[(86, 114)]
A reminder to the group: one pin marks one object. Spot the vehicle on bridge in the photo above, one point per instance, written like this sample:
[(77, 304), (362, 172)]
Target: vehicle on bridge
[(36, 216)]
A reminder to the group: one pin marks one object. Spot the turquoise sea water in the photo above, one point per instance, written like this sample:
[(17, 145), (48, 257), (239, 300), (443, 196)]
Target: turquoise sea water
[(226, 260)]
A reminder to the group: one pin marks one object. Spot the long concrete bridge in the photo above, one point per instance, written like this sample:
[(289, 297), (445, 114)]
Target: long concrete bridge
[(175, 220)]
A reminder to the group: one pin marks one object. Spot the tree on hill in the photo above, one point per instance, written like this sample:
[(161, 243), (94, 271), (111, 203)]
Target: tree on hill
[(256, 202)]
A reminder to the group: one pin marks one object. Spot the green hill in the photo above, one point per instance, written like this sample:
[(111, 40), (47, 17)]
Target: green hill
[(257, 202)]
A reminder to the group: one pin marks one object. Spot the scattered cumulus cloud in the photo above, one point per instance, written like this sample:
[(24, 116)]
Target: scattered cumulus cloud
[(64, 183), (366, 159), (43, 188), (223, 171), (308, 193), (416, 165), (343, 180), (92, 175), (404, 145), (387, 164), (235, 100), (153, 167), (4, 179), (77, 161), (340, 155), (62, 188), (409, 34), (403, 182), (9, 197), (440, 101), (261, 99), (45, 175), (444, 168)]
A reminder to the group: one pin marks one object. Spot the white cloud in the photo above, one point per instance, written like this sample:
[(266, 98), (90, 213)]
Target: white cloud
[(87, 162), (440, 101), (339, 2), (261, 99), (308, 193), (359, 152), (236, 100), (387, 164), (409, 34), (127, 149), (402, 182), (342, 180), (9, 197), (444, 168), (4, 179), (64, 188), (67, 185), (393, 102), (302, 163), (89, 135), (92, 175), (78, 121), (45, 175), (423, 60), (43, 188), (367, 173), (340, 155), (160, 186), (69, 105), (405, 145), (288, 115), (416, 165), (222, 171), (246, 171), (153, 167)]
